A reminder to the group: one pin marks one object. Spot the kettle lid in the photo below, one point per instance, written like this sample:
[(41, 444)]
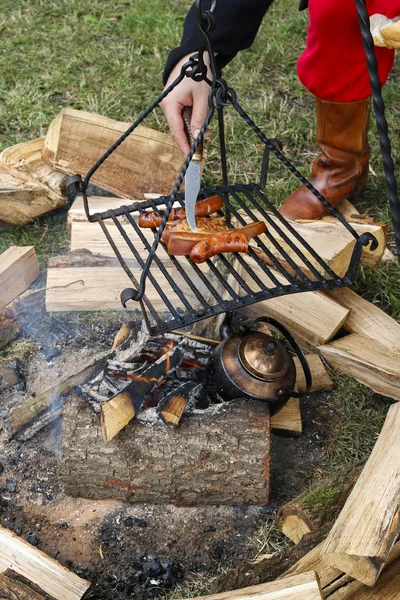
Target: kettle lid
[(263, 356)]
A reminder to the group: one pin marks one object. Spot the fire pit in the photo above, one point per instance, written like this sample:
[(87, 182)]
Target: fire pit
[(219, 454)]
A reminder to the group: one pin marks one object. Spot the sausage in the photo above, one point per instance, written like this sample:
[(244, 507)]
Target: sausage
[(218, 244), (204, 208), (180, 243), (208, 206), (149, 218)]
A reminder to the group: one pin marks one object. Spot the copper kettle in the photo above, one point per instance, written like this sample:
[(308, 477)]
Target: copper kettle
[(253, 364)]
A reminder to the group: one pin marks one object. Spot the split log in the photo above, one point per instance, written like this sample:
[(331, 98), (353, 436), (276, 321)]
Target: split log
[(366, 530), (120, 410), (217, 456), (311, 317), (26, 419), (321, 382), (28, 186), (386, 588), (174, 404), (12, 588), (48, 574), (367, 318), (288, 420), (74, 285), (347, 210), (147, 161), (336, 585), (369, 258), (18, 269), (316, 509), (299, 587), (367, 361)]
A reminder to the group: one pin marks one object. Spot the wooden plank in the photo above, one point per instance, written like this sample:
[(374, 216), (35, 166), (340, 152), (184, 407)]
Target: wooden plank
[(367, 361), (312, 561), (330, 240), (18, 269), (299, 587), (367, 318), (288, 419), (361, 539), (28, 186), (147, 161), (48, 574)]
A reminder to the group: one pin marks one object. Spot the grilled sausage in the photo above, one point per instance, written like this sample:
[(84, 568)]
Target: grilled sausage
[(180, 243), (218, 244), (204, 208)]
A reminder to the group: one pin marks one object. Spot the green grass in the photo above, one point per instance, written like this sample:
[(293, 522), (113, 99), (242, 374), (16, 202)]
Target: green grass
[(108, 57)]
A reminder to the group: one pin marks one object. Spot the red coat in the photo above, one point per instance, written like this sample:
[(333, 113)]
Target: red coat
[(333, 65)]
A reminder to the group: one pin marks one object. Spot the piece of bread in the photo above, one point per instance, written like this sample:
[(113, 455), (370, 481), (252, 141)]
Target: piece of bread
[(391, 35), (377, 22)]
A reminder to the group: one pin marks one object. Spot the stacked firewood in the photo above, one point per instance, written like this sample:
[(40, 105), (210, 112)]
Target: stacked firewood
[(360, 557)]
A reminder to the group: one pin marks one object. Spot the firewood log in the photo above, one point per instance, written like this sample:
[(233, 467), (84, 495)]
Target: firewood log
[(311, 317), (28, 186), (366, 360), (48, 574), (299, 587), (367, 318), (218, 455), (336, 585), (12, 587), (366, 530), (18, 269), (147, 161), (316, 509), (287, 421)]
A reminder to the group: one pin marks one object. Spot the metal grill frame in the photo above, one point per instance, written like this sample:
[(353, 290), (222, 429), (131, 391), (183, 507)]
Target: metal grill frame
[(232, 197)]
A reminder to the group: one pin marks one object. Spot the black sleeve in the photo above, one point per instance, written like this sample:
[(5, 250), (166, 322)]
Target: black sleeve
[(237, 24)]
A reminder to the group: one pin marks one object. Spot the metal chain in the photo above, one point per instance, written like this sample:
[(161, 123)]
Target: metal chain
[(379, 105)]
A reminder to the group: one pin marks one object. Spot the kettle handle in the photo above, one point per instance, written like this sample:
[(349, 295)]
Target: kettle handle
[(298, 351)]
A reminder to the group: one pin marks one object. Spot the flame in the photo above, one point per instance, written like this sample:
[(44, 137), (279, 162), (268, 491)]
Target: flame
[(168, 349), (138, 378)]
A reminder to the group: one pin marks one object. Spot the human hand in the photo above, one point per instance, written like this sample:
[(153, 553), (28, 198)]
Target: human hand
[(187, 93)]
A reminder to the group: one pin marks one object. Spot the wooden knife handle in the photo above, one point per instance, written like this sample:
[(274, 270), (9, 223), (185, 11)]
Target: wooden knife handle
[(187, 118)]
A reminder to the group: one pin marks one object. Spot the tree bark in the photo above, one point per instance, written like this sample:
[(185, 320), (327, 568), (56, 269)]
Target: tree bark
[(217, 456)]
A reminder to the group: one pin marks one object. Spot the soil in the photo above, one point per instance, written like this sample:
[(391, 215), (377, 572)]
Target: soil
[(128, 551)]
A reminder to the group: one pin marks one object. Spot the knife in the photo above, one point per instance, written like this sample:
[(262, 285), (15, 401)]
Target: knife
[(193, 173)]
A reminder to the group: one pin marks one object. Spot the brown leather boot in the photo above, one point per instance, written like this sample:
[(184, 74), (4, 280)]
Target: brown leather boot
[(341, 171)]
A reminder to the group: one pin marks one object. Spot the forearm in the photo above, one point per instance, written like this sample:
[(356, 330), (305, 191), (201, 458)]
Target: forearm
[(237, 24)]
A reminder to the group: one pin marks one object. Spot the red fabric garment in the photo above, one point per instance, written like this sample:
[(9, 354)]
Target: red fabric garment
[(333, 65)]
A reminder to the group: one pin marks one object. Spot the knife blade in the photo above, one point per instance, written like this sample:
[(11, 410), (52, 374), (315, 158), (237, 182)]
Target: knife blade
[(193, 173)]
